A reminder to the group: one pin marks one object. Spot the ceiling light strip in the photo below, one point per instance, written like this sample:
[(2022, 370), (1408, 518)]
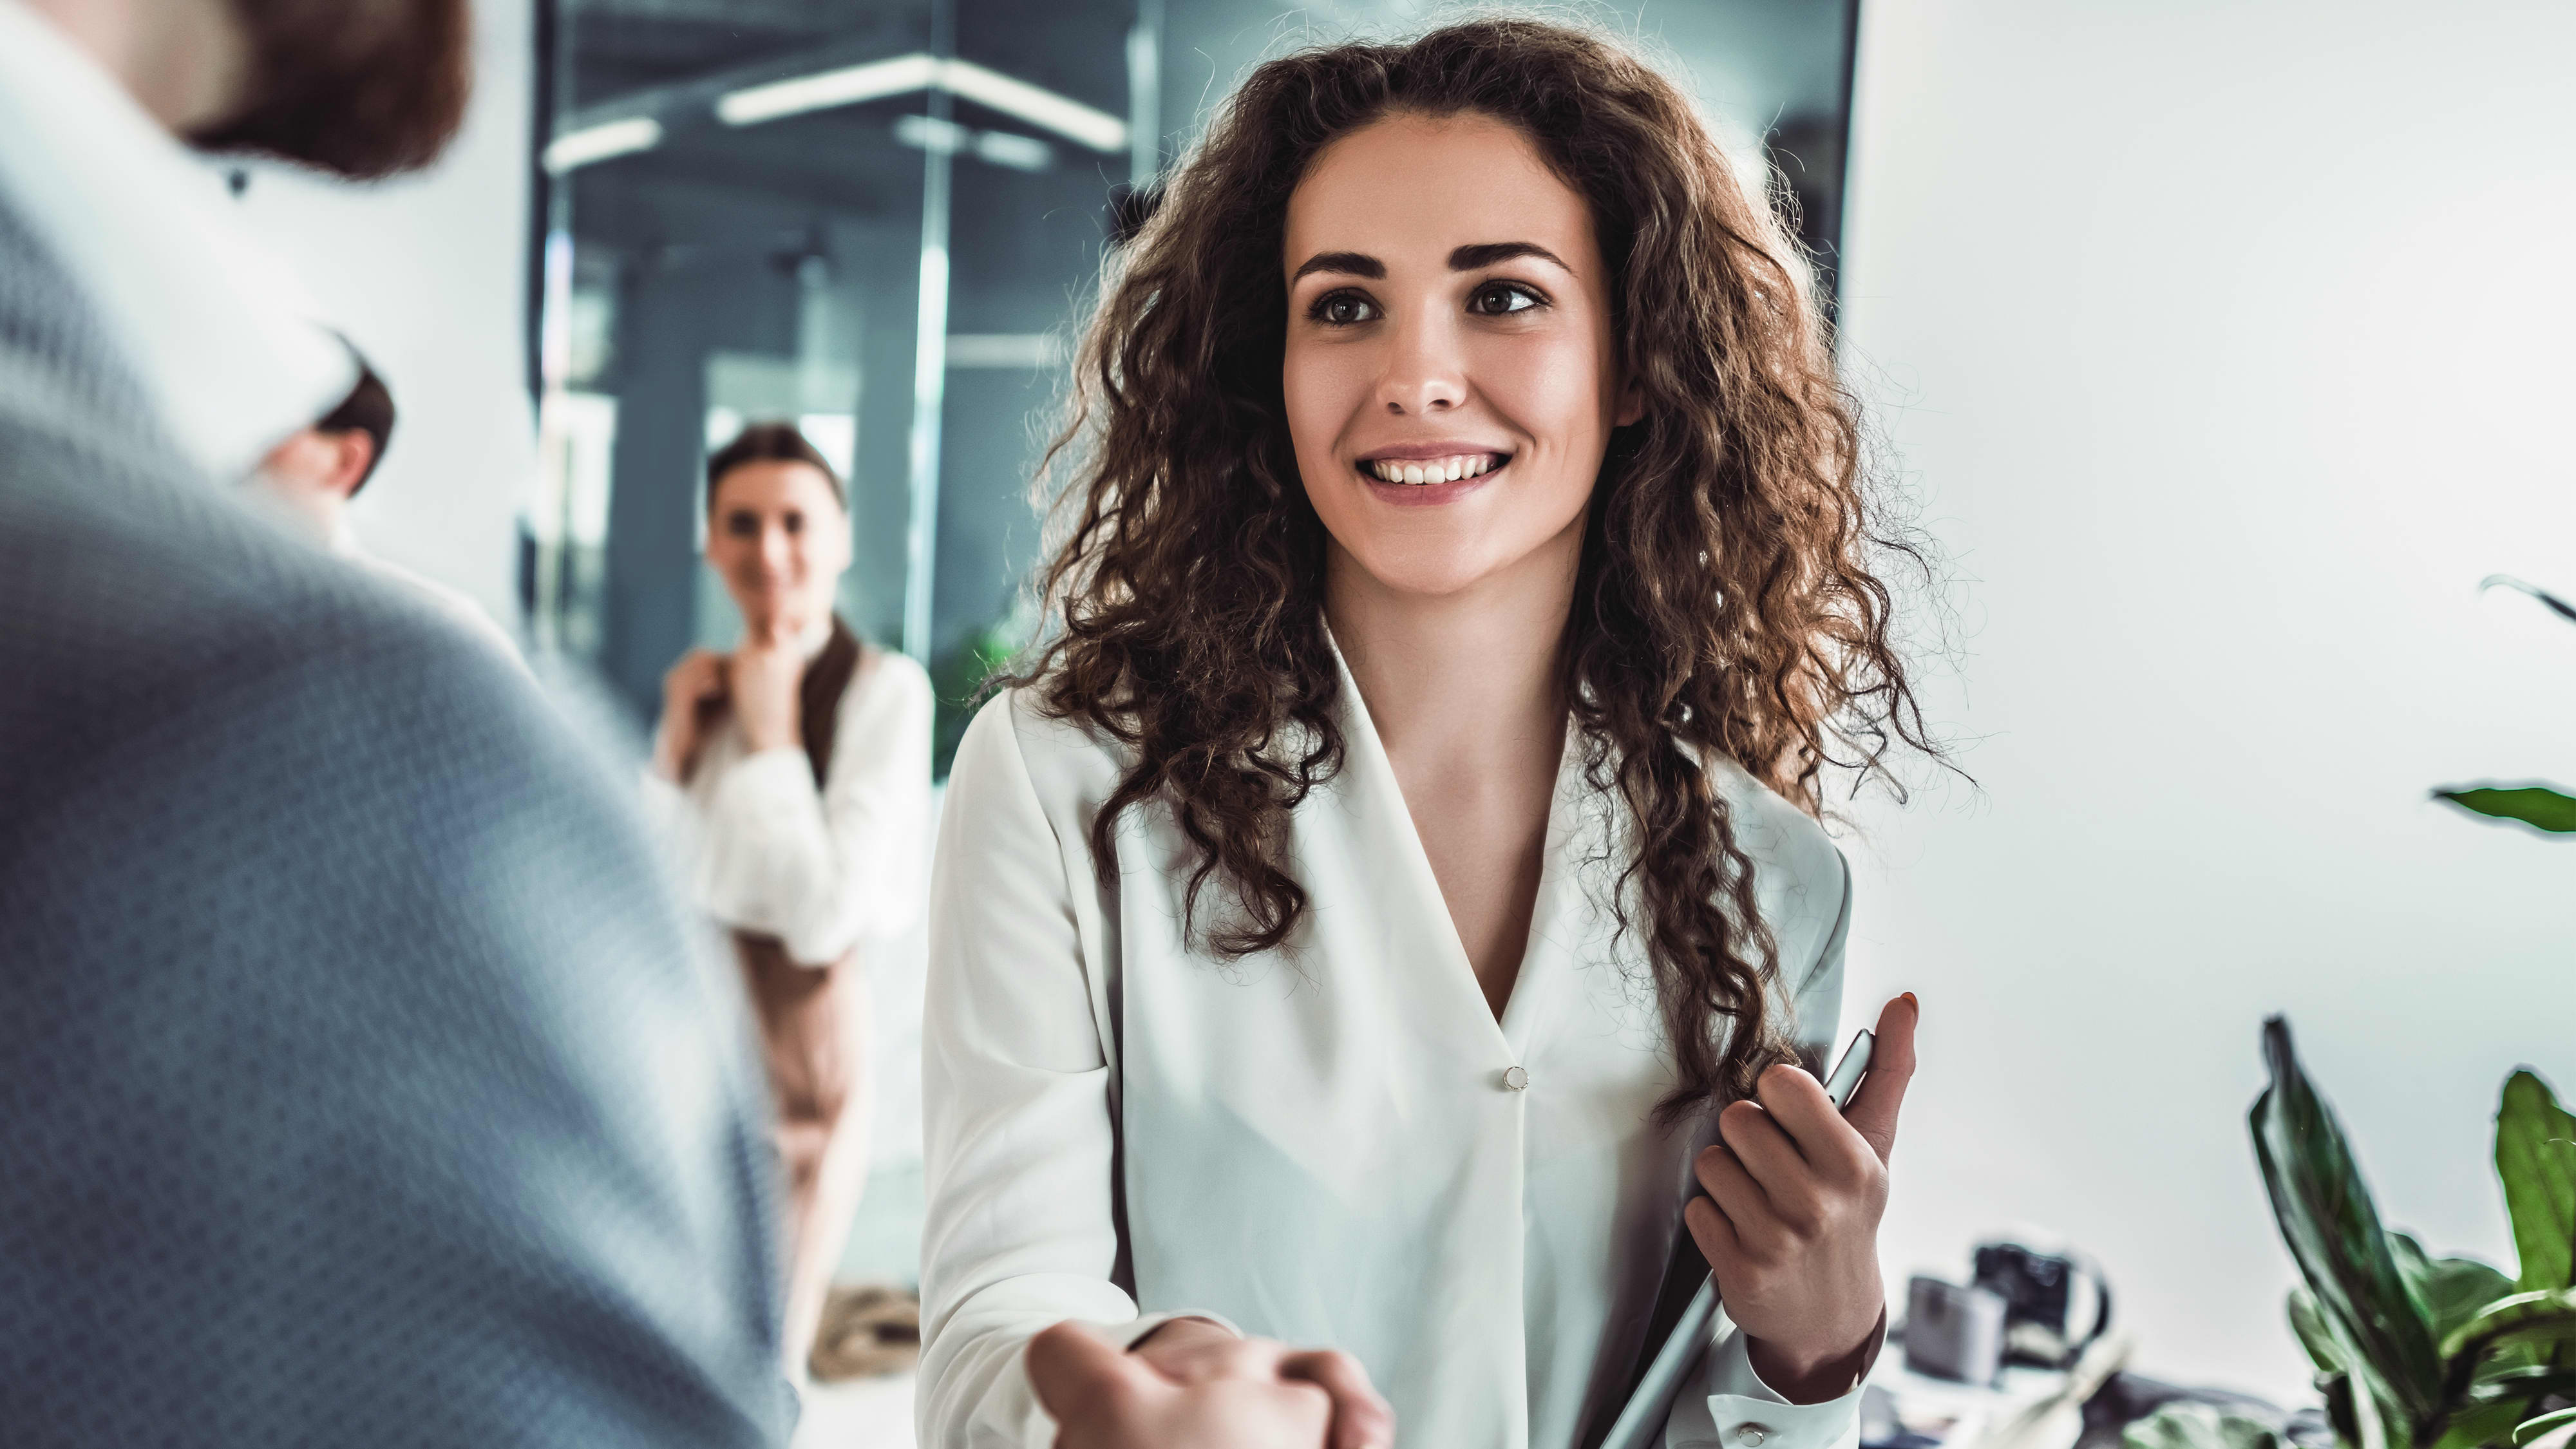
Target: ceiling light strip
[(1036, 105), (877, 79), (575, 149), (823, 90)]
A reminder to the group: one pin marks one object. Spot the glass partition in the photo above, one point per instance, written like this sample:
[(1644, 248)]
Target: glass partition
[(881, 219)]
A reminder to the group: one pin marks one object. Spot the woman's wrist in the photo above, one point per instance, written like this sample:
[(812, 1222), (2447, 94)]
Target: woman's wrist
[(666, 755), (1810, 1376)]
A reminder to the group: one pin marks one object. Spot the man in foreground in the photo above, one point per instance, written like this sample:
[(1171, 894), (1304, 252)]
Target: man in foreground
[(358, 1081)]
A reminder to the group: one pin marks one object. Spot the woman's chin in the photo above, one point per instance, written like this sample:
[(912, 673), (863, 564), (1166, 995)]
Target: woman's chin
[(1411, 570)]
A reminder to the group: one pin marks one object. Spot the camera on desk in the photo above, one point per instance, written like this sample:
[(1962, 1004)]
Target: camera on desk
[(2027, 1305)]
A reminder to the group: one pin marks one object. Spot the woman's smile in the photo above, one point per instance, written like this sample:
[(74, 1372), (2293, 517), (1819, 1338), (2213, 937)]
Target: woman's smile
[(1416, 474)]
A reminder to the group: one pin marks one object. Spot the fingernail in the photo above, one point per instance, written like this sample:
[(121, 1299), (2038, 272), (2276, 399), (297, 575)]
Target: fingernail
[(1910, 1001)]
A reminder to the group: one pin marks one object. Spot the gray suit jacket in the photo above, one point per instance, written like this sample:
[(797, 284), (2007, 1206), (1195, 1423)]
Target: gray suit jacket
[(359, 1082)]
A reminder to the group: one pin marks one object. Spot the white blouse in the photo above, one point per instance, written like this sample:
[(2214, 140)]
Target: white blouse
[(823, 870), (1321, 1144)]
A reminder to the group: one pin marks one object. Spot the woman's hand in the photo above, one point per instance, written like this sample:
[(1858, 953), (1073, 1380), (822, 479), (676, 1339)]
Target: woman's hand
[(697, 678), (1195, 1351), (766, 672), (1790, 1223), (1104, 1399)]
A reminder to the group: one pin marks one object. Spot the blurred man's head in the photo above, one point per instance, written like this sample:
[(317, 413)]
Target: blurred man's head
[(362, 88), (317, 471)]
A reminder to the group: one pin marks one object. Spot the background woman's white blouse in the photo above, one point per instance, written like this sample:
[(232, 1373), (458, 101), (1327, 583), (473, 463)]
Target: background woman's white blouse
[(1319, 1144), (822, 870)]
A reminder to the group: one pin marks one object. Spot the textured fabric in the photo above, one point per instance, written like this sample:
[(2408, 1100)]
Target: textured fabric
[(359, 1083)]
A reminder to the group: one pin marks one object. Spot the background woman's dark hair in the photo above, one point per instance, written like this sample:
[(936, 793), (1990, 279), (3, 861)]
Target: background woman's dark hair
[(769, 443), (1725, 608), (368, 409)]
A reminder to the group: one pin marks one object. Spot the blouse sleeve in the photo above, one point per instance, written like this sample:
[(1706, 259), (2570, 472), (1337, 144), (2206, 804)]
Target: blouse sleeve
[(1016, 1119), (826, 869), (1733, 1408)]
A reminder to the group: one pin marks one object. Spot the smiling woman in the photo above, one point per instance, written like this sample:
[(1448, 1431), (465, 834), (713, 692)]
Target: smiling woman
[(792, 776), (1393, 896)]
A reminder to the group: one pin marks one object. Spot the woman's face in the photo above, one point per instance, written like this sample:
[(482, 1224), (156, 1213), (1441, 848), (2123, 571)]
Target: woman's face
[(1450, 374), (779, 537)]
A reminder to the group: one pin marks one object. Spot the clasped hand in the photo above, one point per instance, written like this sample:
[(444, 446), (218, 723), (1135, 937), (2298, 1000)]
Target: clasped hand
[(1790, 1223), (757, 682), (1193, 1385)]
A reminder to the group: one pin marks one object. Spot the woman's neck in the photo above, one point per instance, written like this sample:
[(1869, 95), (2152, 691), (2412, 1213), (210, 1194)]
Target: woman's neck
[(1468, 681)]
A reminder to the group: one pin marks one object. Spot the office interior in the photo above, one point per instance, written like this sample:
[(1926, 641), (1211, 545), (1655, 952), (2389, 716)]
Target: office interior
[(2215, 348)]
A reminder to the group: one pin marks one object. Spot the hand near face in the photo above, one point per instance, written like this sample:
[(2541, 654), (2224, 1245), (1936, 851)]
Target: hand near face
[(697, 678), (1105, 1399), (1790, 1223), (765, 674)]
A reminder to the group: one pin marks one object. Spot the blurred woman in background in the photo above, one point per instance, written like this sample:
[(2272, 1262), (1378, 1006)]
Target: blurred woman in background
[(794, 774)]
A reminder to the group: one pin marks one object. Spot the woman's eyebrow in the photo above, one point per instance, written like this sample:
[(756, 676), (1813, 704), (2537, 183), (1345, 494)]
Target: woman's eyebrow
[(1358, 264), (1485, 254)]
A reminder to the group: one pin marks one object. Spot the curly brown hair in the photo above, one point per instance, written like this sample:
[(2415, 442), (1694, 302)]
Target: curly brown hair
[(1724, 610)]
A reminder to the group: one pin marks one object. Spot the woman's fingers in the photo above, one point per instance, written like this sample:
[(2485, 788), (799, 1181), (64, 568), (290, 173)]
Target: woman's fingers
[(1873, 1111), (1716, 1237), (1362, 1419), (1758, 1230), (1078, 1375), (1823, 1136), (1766, 1151)]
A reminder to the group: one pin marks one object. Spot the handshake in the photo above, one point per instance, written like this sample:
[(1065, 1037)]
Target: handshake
[(1193, 1385)]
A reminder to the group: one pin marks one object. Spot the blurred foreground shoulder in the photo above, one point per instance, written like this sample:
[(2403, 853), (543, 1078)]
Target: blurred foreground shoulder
[(358, 1079)]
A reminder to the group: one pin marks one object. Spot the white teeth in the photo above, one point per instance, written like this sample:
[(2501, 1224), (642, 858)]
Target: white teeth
[(1435, 470)]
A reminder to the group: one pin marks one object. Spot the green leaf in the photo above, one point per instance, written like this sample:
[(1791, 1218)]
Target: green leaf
[(2200, 1426), (2314, 1336), (2447, 1291), (2481, 1426), (2500, 1379), (2537, 806), (2536, 1318), (2530, 1429), (2535, 1156), (2332, 1229)]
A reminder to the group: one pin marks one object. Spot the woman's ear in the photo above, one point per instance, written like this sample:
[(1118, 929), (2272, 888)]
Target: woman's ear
[(1632, 405)]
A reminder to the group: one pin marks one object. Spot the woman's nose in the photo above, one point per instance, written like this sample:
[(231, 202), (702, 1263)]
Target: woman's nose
[(777, 550), (1424, 372)]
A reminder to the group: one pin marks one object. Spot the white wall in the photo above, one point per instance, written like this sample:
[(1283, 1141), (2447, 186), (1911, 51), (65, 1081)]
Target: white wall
[(2228, 344), (426, 274)]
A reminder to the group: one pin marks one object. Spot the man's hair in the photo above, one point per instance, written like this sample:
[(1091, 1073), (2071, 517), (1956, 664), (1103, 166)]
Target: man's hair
[(770, 443), (368, 409), (359, 90)]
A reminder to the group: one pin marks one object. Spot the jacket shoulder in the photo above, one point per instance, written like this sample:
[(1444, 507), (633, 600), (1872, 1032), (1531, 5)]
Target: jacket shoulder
[(1800, 876)]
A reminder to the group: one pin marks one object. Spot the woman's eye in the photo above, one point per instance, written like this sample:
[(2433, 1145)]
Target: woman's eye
[(1497, 299), (742, 525), (794, 523), (1342, 309)]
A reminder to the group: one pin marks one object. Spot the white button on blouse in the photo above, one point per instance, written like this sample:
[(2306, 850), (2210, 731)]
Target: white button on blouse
[(1309, 1144)]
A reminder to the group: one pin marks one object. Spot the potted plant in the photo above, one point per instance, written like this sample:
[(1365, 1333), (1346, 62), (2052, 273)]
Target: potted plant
[(2411, 1351)]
